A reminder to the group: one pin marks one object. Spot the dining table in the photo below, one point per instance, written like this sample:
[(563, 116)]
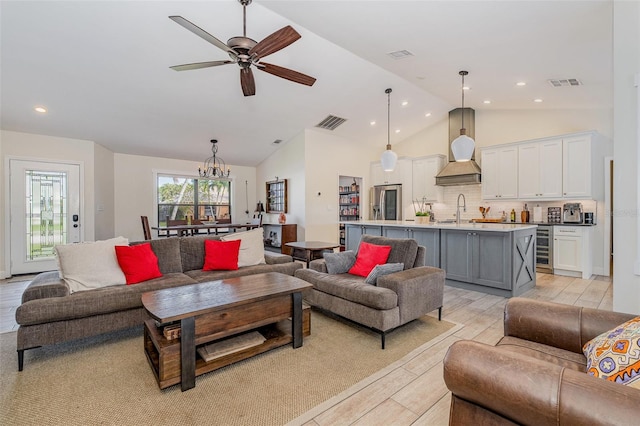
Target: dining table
[(194, 229)]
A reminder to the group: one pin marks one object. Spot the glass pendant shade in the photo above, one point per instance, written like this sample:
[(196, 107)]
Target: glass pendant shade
[(462, 148), (388, 159)]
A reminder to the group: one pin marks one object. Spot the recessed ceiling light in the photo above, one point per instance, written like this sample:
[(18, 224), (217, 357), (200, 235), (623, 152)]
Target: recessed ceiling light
[(397, 130), (487, 101), (537, 100), (40, 109), (521, 83), (428, 114), (373, 123), (405, 103), (465, 88)]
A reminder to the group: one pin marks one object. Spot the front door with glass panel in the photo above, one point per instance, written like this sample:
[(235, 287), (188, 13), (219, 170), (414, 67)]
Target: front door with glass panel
[(45, 211)]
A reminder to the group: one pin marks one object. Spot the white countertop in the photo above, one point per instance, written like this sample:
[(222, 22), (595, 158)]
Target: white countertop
[(464, 226)]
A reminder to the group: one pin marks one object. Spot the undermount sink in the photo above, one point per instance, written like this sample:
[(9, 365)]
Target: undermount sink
[(450, 221)]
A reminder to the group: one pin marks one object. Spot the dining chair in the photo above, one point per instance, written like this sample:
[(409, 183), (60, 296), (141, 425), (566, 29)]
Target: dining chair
[(145, 227)]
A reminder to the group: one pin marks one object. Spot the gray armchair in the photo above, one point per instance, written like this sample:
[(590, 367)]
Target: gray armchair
[(397, 299)]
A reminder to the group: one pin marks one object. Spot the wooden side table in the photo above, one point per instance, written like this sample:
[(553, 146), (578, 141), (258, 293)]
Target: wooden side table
[(312, 249)]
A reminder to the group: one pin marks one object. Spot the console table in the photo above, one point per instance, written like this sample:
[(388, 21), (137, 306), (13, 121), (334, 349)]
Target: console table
[(276, 236)]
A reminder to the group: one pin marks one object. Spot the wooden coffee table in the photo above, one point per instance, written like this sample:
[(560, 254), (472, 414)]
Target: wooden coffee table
[(270, 303)]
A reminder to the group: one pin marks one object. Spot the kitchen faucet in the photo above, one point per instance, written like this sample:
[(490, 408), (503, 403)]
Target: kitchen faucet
[(464, 207)]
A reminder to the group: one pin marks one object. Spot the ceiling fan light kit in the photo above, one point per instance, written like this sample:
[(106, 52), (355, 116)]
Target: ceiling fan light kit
[(246, 52), (462, 146), (388, 158), (214, 167)]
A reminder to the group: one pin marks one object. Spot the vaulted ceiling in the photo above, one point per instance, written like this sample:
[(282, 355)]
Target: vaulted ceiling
[(102, 69)]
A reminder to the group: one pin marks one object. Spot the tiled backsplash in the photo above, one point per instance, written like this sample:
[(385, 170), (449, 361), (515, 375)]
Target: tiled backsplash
[(473, 196)]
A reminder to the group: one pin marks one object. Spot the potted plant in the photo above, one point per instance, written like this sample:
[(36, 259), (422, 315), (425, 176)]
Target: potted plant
[(421, 208)]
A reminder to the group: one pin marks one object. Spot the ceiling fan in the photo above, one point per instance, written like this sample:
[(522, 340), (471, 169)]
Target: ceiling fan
[(246, 52)]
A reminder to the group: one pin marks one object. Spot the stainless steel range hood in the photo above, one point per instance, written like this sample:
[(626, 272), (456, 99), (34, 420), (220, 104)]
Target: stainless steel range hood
[(463, 172)]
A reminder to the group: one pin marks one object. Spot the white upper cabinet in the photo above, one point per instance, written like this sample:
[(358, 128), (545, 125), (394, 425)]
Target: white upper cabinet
[(540, 170), (500, 172), (424, 178), (377, 175), (577, 170), (400, 174)]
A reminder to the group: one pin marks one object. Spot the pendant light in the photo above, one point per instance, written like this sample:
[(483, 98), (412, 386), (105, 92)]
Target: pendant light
[(388, 158), (462, 146)]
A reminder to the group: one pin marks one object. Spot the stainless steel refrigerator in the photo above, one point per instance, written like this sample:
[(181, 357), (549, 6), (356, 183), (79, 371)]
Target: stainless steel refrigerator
[(386, 202)]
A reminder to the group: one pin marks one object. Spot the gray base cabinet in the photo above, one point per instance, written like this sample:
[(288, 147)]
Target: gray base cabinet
[(355, 232), (477, 257), (429, 238), (493, 262)]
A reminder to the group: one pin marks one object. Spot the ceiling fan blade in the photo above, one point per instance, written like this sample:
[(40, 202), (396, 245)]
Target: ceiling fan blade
[(274, 42), (202, 34), (287, 73), (198, 65), (247, 82)]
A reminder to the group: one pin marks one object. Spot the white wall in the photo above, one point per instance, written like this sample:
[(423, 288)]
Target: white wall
[(286, 163), (134, 188), (103, 193), (40, 147), (327, 157), (626, 177)]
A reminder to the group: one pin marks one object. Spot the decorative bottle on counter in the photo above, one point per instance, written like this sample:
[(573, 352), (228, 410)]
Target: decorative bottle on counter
[(513, 215), (524, 215)]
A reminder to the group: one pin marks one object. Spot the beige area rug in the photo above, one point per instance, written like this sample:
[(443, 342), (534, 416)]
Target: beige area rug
[(107, 379)]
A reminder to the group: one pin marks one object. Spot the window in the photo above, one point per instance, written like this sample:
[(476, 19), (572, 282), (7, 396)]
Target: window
[(204, 199)]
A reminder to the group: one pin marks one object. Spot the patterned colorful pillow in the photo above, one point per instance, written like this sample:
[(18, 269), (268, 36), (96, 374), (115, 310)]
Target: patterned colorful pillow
[(615, 355)]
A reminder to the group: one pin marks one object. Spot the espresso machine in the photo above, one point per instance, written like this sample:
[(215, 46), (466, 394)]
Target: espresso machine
[(572, 213)]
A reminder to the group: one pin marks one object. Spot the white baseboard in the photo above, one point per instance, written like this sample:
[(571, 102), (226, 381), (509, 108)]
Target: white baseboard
[(4, 275)]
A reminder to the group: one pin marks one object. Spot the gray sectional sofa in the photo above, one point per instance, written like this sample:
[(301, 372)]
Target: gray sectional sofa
[(395, 300), (50, 314)]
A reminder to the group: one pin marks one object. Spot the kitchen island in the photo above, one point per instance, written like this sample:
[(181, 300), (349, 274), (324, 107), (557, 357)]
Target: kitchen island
[(495, 258)]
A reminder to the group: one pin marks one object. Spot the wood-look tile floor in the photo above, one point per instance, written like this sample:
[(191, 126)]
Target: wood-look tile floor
[(413, 391), (410, 392)]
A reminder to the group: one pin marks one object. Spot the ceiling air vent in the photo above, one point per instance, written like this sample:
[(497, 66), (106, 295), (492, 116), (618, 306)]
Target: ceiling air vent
[(564, 82), (331, 122), (400, 54)]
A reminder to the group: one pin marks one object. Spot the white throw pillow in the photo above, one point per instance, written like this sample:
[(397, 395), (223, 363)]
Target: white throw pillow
[(251, 246), (85, 266)]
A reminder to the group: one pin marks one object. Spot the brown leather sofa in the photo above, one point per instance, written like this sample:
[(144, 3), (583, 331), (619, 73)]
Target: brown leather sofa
[(536, 373)]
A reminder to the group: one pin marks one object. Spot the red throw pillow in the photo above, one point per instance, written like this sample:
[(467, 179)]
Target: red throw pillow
[(139, 263), (369, 255), (221, 255)]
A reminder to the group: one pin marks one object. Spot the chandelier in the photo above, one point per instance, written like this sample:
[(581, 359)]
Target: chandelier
[(214, 166)]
